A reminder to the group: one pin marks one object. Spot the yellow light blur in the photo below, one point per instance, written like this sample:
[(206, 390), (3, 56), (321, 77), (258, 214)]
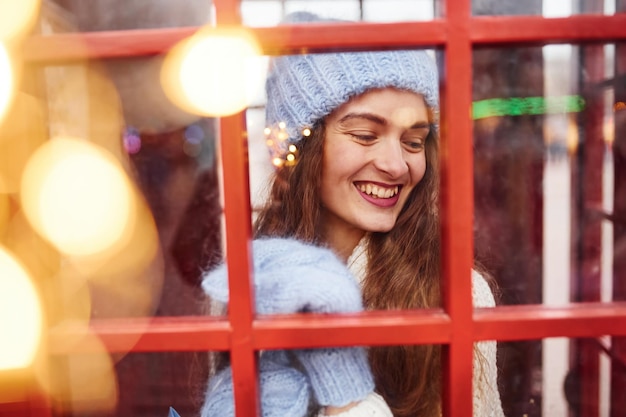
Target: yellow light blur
[(17, 17), (84, 380), (76, 195), (6, 80), (572, 136), (212, 73), (72, 297), (608, 131), (39, 257), (23, 130), (4, 212), (126, 280), (20, 315)]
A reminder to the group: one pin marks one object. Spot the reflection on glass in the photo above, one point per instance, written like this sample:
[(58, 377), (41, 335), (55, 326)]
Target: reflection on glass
[(77, 196), (560, 376), (548, 137), (82, 382), (545, 8), (20, 314), (212, 73), (102, 15), (6, 80), (271, 12), (17, 18), (545, 192)]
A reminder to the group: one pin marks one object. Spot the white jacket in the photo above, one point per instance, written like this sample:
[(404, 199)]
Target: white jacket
[(486, 396)]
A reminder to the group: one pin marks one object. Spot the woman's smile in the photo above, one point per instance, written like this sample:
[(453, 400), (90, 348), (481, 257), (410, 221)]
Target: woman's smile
[(381, 195)]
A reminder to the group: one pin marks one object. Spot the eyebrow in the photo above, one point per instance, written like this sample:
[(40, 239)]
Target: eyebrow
[(379, 120), (367, 116)]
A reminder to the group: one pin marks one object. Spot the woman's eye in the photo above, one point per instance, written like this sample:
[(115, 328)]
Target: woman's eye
[(414, 145), (364, 137)]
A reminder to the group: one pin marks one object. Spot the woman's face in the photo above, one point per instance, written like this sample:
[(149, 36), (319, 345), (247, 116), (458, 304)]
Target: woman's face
[(374, 155)]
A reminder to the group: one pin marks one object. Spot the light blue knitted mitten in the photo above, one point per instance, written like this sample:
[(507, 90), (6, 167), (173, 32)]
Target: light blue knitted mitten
[(291, 277), (284, 390), (338, 376)]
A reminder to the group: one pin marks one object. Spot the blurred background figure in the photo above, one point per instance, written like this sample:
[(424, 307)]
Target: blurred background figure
[(118, 106)]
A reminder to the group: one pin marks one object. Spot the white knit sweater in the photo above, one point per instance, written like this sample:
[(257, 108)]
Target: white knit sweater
[(486, 396)]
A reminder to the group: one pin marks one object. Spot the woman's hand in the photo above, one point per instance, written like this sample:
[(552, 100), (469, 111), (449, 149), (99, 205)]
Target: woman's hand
[(338, 376), (294, 277), (284, 390)]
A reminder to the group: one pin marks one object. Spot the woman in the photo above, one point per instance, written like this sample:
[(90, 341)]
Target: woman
[(355, 139)]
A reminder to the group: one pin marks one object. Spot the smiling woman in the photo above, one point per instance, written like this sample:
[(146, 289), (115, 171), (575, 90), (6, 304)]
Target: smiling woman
[(363, 187)]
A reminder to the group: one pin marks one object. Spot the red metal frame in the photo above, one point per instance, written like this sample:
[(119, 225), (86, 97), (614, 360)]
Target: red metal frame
[(377, 328), (584, 354), (480, 31), (618, 344), (457, 326), (457, 211)]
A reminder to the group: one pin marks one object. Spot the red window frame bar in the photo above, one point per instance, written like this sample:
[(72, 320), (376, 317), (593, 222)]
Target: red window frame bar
[(457, 326)]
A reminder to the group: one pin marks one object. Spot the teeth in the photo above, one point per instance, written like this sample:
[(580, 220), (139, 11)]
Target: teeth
[(377, 191)]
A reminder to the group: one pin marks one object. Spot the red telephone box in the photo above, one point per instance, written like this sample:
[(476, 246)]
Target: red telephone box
[(458, 35)]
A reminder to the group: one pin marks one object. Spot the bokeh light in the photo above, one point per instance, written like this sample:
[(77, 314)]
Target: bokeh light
[(4, 211), (17, 17), (573, 137), (20, 315), (214, 72), (125, 280), (83, 380), (23, 130), (131, 140), (39, 257), (6, 79), (77, 196)]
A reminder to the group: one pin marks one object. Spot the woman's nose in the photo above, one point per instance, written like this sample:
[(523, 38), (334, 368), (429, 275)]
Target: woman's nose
[(390, 159)]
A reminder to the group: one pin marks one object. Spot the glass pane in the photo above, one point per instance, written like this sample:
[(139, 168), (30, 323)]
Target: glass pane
[(300, 376), (545, 139), (557, 376), (102, 15), (271, 12), (338, 376), (269, 162), (132, 215), (546, 8), (134, 384)]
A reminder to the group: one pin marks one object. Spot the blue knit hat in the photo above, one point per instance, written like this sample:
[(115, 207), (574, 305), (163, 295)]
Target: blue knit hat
[(302, 89)]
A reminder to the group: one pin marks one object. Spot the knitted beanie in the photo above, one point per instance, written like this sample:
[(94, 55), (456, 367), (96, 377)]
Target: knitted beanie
[(302, 89)]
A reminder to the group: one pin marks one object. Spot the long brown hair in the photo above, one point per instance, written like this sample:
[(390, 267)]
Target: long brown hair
[(403, 266)]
